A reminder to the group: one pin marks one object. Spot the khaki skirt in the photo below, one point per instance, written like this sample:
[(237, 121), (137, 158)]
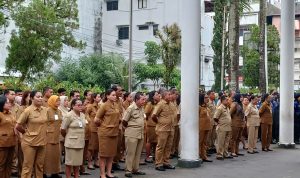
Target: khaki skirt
[(93, 142), (52, 159), (74, 156), (108, 146)]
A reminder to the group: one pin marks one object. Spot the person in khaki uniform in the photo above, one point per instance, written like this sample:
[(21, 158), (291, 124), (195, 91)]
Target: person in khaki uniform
[(223, 119), (93, 147), (127, 100), (212, 134), (133, 121), (174, 96), (253, 123), (237, 124), (204, 126), (265, 113), (108, 119), (8, 140), (34, 119), (163, 114), (154, 98), (47, 92), (52, 157), (72, 129)]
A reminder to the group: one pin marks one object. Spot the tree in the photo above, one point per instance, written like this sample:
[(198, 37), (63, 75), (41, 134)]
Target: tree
[(262, 37), (43, 28), (6, 5), (170, 43)]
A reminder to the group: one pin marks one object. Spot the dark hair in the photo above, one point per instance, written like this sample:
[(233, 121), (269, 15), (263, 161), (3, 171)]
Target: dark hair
[(108, 92), (73, 102), (151, 97), (24, 96), (223, 97), (94, 96), (33, 93), (178, 100), (72, 93), (5, 92), (18, 90), (114, 87), (3, 100), (173, 90), (102, 95), (220, 94), (138, 95), (237, 98), (45, 89), (209, 92), (60, 90), (126, 95), (252, 97), (201, 98), (86, 92), (264, 97)]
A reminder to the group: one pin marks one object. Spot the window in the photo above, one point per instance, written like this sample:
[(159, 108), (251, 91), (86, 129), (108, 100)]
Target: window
[(143, 27), (124, 33), (155, 29), (142, 4), (112, 5)]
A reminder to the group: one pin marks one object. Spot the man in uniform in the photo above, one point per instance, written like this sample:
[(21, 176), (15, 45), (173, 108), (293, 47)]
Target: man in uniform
[(223, 119), (212, 135), (61, 92), (163, 114), (133, 121), (47, 92), (174, 96)]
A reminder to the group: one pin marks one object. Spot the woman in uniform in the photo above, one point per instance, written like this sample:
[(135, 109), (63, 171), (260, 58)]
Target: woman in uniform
[(127, 100), (73, 129), (108, 120), (204, 125), (52, 158), (63, 107), (7, 137), (93, 146), (153, 99), (33, 125), (265, 113)]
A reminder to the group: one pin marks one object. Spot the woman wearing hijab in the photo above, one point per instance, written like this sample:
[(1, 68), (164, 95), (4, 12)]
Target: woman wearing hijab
[(63, 107), (52, 158)]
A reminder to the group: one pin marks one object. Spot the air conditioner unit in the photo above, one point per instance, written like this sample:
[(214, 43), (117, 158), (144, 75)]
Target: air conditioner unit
[(119, 42)]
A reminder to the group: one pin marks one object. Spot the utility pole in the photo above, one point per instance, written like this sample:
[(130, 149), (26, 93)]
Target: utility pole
[(266, 57), (130, 50), (223, 49), (98, 31)]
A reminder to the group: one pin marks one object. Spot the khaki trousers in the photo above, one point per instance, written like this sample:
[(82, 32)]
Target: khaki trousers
[(203, 135), (223, 142), (33, 158), (176, 140), (134, 147), (6, 160), (163, 148), (252, 137), (236, 135), (212, 138), (266, 135)]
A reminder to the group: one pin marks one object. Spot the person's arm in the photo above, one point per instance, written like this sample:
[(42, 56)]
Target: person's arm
[(21, 121), (233, 108), (157, 110), (217, 115), (148, 110), (126, 117), (262, 109), (65, 124), (100, 115)]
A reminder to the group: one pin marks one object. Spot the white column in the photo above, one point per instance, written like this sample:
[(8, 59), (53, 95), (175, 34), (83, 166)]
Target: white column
[(286, 134), (190, 56)]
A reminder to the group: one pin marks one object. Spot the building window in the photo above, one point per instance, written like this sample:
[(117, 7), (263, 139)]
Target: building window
[(124, 33), (143, 27), (155, 29), (112, 5), (142, 4)]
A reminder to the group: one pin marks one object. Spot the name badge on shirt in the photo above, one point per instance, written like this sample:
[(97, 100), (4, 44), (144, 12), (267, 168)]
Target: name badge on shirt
[(80, 124), (56, 117), (86, 121)]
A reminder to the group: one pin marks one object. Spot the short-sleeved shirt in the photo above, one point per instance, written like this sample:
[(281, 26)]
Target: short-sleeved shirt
[(252, 115), (91, 114), (75, 127), (126, 104), (212, 107), (54, 124), (265, 113), (148, 111), (204, 118), (237, 115), (165, 115), (223, 115), (109, 118), (7, 134), (35, 121), (134, 116)]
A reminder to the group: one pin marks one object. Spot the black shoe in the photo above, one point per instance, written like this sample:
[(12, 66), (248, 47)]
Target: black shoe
[(128, 174), (61, 172), (169, 166), (250, 152), (240, 154), (117, 167), (160, 168), (255, 151), (111, 177), (84, 173), (220, 158), (207, 160), (139, 173), (265, 150), (228, 157), (269, 149), (45, 176), (148, 161), (14, 174)]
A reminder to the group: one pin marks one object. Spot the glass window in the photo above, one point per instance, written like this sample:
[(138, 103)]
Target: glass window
[(143, 27), (155, 29), (142, 4), (112, 5), (124, 33)]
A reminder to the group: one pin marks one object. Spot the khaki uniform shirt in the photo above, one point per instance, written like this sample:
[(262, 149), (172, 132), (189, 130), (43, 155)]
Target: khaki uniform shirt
[(35, 121), (126, 104), (165, 115), (7, 134), (54, 124), (252, 115), (15, 110), (45, 102), (75, 127), (222, 113), (265, 113), (204, 118), (212, 107), (237, 115), (109, 117), (134, 116), (148, 111), (91, 114)]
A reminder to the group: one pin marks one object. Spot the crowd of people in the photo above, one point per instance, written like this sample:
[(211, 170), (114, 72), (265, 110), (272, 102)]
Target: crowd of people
[(40, 129)]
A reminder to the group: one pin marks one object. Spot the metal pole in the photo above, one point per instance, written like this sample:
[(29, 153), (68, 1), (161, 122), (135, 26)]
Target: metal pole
[(130, 51), (223, 49), (266, 57)]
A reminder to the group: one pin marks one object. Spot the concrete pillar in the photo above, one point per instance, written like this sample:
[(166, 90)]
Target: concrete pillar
[(286, 134), (190, 55)]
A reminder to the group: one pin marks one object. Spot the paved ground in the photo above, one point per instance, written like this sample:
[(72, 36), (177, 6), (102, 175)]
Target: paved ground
[(280, 163)]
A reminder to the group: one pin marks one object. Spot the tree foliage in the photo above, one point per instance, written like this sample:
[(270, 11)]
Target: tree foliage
[(6, 5), (43, 28), (170, 43)]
